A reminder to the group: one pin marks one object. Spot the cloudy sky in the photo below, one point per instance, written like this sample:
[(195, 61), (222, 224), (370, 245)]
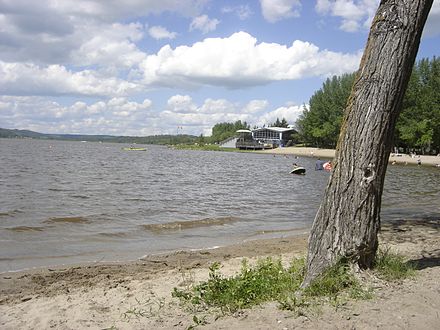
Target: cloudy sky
[(145, 67)]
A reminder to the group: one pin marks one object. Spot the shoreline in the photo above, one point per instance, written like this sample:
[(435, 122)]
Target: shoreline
[(271, 235), (109, 295), (399, 159)]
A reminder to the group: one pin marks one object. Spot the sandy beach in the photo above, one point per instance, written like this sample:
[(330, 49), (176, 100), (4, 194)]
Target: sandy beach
[(401, 159), (137, 295)]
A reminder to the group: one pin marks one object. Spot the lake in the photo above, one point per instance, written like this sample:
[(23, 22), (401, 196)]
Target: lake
[(72, 202)]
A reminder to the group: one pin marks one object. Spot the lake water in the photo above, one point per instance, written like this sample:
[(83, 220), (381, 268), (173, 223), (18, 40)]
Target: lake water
[(69, 202)]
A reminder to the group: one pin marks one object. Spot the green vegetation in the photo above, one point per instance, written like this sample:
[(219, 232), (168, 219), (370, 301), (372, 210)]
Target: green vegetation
[(269, 280), (223, 131), (152, 307), (417, 129), (418, 126), (391, 266), (336, 280), (320, 124), (282, 123), (155, 139)]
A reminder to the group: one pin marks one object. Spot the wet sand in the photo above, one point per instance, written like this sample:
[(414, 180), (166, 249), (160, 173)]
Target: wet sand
[(137, 295), (401, 159)]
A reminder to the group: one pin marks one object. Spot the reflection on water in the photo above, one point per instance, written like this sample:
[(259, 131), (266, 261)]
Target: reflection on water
[(68, 202)]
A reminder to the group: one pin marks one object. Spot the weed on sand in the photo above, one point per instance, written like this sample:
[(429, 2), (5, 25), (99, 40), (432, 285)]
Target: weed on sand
[(391, 266), (270, 281)]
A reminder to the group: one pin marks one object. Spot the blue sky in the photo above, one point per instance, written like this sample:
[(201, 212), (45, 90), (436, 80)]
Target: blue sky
[(146, 67)]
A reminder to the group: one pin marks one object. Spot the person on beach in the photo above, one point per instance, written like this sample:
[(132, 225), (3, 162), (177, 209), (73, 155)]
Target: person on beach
[(419, 162), (319, 165), (328, 166)]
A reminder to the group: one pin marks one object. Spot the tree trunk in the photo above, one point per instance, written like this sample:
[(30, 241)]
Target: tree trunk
[(348, 220)]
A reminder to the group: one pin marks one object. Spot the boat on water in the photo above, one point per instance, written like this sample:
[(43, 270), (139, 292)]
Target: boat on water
[(298, 170), (134, 149)]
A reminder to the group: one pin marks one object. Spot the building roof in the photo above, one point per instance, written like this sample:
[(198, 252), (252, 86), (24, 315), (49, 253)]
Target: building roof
[(274, 129)]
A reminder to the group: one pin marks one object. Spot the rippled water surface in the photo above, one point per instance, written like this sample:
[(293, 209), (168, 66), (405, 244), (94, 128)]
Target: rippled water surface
[(69, 202)]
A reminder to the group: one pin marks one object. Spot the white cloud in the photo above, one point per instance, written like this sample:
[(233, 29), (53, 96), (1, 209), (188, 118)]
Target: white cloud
[(432, 27), (239, 61), (220, 106), (355, 14), (182, 111), (109, 46), (255, 106), (50, 31), (111, 10), (117, 116), (194, 123), (30, 79), (243, 11), (181, 104), (123, 108), (358, 14), (159, 32), (204, 24), (276, 10), (288, 112), (121, 116)]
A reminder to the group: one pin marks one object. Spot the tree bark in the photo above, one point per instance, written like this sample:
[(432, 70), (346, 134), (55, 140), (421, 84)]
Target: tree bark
[(348, 220)]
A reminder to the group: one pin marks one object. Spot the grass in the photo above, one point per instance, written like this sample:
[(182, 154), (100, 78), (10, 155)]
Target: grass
[(269, 280), (149, 308), (334, 281), (392, 266)]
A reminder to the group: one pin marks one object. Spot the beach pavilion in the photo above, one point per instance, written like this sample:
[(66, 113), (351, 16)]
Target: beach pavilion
[(265, 137)]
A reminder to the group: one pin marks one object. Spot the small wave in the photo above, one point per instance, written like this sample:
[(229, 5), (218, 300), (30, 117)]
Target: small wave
[(59, 189), (67, 220), (80, 196), (114, 235), (118, 182), (136, 200), (20, 229), (10, 213), (179, 225)]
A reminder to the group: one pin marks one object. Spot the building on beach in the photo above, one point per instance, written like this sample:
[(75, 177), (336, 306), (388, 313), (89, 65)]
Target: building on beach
[(264, 138)]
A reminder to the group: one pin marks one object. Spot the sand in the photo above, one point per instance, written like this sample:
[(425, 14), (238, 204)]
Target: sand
[(401, 159), (137, 295)]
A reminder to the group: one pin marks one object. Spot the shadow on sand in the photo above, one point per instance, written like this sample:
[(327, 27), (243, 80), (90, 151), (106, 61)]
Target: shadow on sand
[(425, 230)]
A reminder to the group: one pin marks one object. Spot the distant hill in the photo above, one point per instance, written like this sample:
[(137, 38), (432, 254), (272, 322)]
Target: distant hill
[(155, 139), (17, 133)]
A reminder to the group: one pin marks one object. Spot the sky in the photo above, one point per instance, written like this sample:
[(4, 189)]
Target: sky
[(150, 67)]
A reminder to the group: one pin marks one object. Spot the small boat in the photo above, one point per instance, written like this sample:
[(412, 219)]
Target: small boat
[(134, 149), (298, 170)]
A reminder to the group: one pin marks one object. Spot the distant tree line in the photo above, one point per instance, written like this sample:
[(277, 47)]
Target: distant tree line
[(154, 139), (223, 131), (417, 129)]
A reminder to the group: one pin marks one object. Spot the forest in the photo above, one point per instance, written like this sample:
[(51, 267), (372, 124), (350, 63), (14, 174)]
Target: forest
[(418, 126)]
